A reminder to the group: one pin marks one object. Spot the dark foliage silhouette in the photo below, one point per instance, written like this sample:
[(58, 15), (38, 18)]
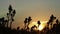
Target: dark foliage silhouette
[(57, 21), (29, 19), (10, 15), (25, 22), (4, 29), (38, 23), (52, 18), (33, 27)]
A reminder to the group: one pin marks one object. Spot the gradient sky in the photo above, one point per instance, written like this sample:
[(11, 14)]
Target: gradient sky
[(37, 9)]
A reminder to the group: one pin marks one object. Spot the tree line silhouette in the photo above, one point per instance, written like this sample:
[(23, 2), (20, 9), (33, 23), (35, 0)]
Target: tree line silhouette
[(4, 29)]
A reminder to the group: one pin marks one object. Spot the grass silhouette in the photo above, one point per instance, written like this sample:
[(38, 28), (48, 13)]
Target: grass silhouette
[(55, 28)]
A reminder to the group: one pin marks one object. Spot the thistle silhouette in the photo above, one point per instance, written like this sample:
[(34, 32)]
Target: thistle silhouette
[(29, 19), (10, 15), (25, 22), (52, 18), (38, 23)]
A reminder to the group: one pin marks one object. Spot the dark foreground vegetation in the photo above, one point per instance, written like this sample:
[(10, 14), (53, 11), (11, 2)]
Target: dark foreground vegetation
[(4, 29)]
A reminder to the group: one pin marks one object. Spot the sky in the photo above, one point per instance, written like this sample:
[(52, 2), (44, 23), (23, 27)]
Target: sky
[(37, 9)]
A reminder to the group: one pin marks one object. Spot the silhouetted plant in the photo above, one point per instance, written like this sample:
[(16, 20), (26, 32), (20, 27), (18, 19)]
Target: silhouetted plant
[(56, 27), (29, 19), (32, 28), (3, 21), (57, 21), (10, 15), (10, 8), (52, 18), (27, 28), (10, 19), (25, 22), (38, 23)]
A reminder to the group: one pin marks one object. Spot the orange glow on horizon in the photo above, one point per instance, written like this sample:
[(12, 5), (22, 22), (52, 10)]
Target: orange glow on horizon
[(41, 27)]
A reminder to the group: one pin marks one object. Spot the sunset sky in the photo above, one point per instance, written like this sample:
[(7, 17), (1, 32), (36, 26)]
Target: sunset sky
[(37, 9)]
